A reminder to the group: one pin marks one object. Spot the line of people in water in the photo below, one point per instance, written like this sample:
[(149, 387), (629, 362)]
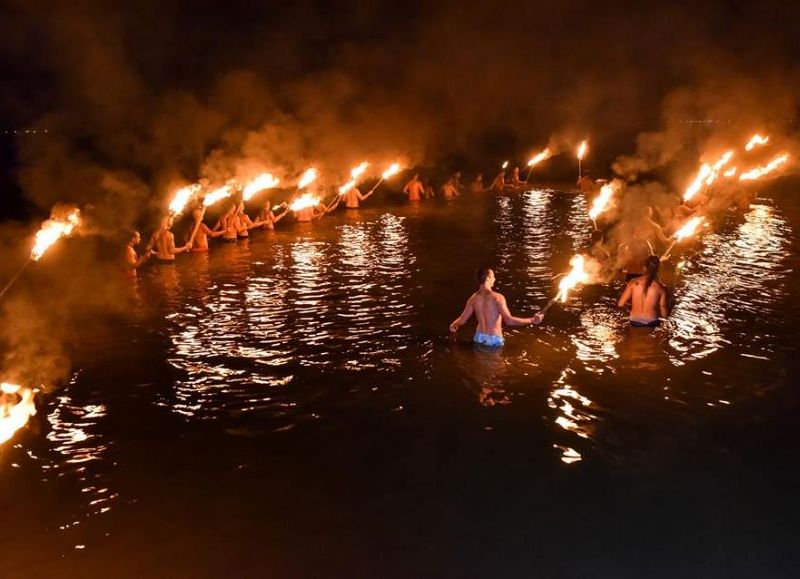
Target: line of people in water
[(635, 257)]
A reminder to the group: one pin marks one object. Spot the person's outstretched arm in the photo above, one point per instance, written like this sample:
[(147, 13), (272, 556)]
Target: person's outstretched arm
[(464, 317), (513, 320)]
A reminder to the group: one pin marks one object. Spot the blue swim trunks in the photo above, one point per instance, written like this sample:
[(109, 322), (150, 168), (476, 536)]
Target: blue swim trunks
[(488, 340)]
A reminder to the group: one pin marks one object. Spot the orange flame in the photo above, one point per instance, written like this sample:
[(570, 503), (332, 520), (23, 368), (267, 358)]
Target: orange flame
[(260, 183), (218, 195), (602, 201), (715, 168), (689, 228), (584, 147), (730, 172), (754, 141), (539, 157), (576, 276), (307, 179), (393, 169), (703, 174), (52, 230), (358, 171), (15, 416), (181, 198), (504, 165), (759, 172), (347, 186), (305, 201)]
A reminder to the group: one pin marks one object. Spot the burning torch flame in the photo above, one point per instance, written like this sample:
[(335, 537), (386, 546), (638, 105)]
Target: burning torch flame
[(307, 179), (182, 197), (52, 230), (358, 171), (582, 149), (574, 277), (14, 416), (393, 169), (703, 174), (689, 228), (759, 172), (539, 157), (601, 202), (755, 141), (504, 165), (355, 174), (707, 175), (730, 172), (217, 195), (305, 201), (263, 181)]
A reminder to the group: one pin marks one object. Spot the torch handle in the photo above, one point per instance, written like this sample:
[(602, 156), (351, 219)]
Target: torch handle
[(196, 228), (547, 306), (666, 253), (13, 279), (376, 186)]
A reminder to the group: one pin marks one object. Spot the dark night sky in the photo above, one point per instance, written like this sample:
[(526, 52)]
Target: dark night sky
[(142, 95)]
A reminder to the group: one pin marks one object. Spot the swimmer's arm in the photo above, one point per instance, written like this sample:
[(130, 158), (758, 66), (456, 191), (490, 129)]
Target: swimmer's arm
[(513, 320), (365, 195), (626, 295), (662, 303), (176, 250), (207, 230), (276, 218), (469, 309)]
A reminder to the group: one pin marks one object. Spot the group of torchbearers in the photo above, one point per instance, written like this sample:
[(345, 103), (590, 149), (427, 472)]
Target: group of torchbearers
[(635, 258)]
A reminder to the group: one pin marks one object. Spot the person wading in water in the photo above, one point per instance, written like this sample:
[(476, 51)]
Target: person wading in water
[(647, 296), (491, 310)]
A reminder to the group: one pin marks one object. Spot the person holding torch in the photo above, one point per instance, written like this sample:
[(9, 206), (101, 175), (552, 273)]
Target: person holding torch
[(491, 310)]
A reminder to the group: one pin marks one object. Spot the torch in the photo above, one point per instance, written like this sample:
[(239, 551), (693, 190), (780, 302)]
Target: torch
[(577, 275), (601, 202), (584, 146), (688, 229), (51, 231), (15, 416), (536, 159), (393, 169)]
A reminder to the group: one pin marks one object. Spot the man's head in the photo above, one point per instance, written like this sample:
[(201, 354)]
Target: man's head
[(485, 277), (167, 222), (135, 238)]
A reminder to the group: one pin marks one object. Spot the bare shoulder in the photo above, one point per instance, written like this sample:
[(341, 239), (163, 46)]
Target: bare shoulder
[(498, 297)]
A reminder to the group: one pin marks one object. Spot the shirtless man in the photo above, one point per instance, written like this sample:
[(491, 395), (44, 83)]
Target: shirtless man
[(477, 185), (243, 222), (353, 196), (163, 243), (308, 214), (499, 182), (414, 188), (449, 189), (515, 181), (647, 297), (201, 231), (227, 224), (132, 260), (267, 218), (586, 185), (491, 310), (456, 178)]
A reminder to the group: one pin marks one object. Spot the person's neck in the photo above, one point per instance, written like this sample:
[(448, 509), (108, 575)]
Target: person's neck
[(484, 288)]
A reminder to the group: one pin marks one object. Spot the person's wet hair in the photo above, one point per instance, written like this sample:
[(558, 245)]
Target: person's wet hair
[(482, 274), (651, 266)]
